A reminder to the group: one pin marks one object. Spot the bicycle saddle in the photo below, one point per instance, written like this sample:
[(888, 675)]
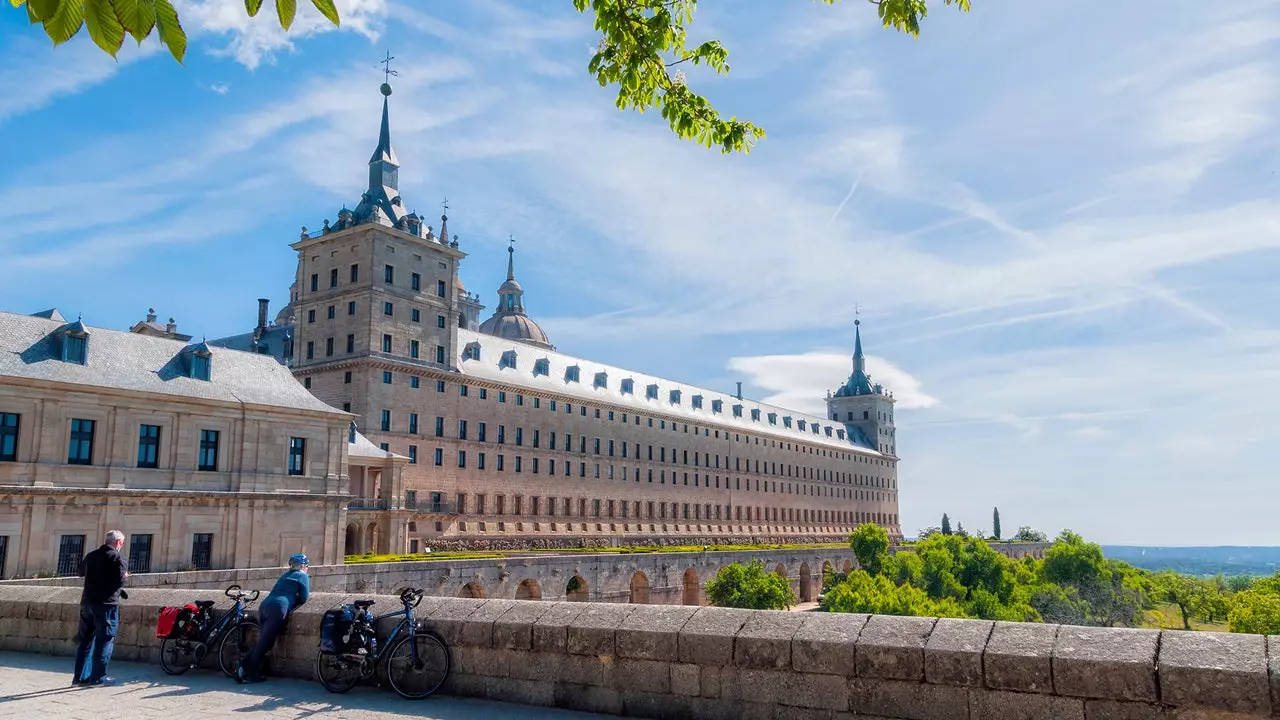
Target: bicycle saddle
[(363, 604), (204, 604)]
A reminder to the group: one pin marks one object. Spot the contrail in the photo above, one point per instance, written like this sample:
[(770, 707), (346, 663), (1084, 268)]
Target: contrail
[(852, 190)]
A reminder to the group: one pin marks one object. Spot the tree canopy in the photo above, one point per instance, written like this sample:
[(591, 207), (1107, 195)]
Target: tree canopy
[(750, 586), (642, 44)]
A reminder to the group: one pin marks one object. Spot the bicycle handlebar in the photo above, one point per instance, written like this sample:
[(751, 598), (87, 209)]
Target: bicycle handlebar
[(411, 597), (235, 592)]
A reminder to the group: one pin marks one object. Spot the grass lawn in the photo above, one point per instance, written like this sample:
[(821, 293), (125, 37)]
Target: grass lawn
[(1166, 616)]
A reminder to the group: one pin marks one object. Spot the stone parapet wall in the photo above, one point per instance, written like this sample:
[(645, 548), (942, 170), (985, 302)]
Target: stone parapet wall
[(680, 662)]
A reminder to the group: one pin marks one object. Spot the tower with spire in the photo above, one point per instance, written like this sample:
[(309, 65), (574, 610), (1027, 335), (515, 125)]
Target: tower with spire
[(510, 321), (864, 407)]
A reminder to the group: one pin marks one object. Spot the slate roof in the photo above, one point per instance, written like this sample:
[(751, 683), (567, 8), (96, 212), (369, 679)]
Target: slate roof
[(274, 338), (128, 361), (526, 374), (363, 447)]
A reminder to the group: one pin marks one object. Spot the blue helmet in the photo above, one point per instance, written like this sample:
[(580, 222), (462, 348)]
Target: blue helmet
[(299, 559)]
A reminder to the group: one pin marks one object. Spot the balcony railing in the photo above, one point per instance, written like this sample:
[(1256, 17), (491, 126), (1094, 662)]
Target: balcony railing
[(434, 508), (419, 506), (368, 504)]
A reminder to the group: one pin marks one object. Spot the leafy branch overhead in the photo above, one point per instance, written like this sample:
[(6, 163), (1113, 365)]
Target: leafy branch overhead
[(643, 43)]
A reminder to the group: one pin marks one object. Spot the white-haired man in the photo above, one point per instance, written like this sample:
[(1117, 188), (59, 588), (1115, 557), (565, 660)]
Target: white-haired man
[(104, 572)]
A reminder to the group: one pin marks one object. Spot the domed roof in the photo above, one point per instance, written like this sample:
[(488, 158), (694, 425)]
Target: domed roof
[(510, 286), (513, 326)]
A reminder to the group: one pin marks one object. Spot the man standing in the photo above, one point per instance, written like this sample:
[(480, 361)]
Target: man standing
[(104, 574)]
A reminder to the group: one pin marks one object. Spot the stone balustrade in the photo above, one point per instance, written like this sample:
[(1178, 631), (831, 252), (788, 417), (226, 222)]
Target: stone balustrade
[(670, 661)]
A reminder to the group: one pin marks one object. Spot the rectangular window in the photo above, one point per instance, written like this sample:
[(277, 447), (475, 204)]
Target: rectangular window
[(311, 350), (500, 458), (208, 459), (328, 347), (386, 421), (413, 349), (462, 390), (386, 377), (479, 465), (355, 273), (351, 343), (9, 423), (502, 433), (535, 437), (462, 458), (149, 446), (440, 321), (415, 281), (439, 427), (462, 429), (389, 274), (333, 312), (202, 551), (346, 378), (439, 386), (440, 288), (80, 449), (518, 463), (386, 343), (415, 315), (439, 457), (70, 554), (333, 278), (388, 309), (413, 382), (315, 282), (440, 354), (519, 436), (140, 553), (413, 423), (297, 455), (351, 308)]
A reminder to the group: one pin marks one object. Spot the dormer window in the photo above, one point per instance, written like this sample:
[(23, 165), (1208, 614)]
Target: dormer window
[(717, 406), (773, 418), (755, 414), (602, 381), (628, 386), (786, 421), (801, 425), (828, 429), (75, 344), (199, 362), (651, 392), (571, 374), (737, 411), (508, 360), (840, 434), (697, 402), (471, 351), (541, 366), (675, 397)]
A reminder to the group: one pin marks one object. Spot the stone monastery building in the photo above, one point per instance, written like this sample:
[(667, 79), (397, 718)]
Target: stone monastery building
[(512, 443)]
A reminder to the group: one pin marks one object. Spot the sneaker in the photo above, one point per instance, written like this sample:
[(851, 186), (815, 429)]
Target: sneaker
[(104, 680)]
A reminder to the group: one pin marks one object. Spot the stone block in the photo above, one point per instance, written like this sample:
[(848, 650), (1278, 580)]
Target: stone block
[(485, 661), (588, 698), (892, 648), (656, 705), (684, 679), (1273, 661), (825, 643), (1019, 656), (449, 615), (1216, 670), (477, 629), (460, 684), (652, 676), (551, 630), (1122, 710), (999, 705), (524, 692), (907, 699), (785, 688), (651, 632), (1106, 663), (558, 667), (707, 637), (764, 641), (953, 655), (594, 631), (513, 630)]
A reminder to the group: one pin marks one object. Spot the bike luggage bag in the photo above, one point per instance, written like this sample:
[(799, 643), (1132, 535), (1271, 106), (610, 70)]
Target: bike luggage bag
[(175, 621), (335, 625)]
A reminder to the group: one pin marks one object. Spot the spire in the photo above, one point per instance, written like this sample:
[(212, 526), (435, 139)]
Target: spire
[(383, 165), (444, 222), (511, 258), (859, 363)]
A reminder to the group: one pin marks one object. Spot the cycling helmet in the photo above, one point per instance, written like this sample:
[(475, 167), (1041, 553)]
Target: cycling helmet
[(299, 559)]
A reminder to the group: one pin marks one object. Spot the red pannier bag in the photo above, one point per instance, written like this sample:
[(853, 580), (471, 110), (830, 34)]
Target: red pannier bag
[(174, 621)]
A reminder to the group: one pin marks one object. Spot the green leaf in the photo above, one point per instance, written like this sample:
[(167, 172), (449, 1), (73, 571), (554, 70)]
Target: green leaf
[(170, 30), (253, 6), (17, 3), (66, 22), (104, 26), (44, 9), (286, 9), (327, 9), (137, 16)]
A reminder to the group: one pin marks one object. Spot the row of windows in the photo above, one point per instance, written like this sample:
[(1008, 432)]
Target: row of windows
[(552, 506), (388, 309), (71, 553), (388, 276), (414, 348), (80, 447)]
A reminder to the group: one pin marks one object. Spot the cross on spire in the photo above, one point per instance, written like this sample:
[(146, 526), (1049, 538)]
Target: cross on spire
[(387, 72), (444, 206)]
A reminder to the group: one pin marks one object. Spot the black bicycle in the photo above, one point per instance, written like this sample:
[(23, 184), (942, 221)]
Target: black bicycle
[(233, 633), (417, 660)]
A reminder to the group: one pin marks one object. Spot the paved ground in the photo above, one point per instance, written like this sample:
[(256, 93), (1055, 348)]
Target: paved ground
[(37, 687)]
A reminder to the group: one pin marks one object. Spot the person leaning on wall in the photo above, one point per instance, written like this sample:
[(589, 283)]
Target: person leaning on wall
[(291, 591)]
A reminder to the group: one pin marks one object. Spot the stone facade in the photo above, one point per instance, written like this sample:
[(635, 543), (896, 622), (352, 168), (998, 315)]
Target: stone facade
[(511, 442), (681, 662), (203, 457)]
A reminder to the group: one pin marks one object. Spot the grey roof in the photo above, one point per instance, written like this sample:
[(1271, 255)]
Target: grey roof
[(274, 339), (51, 314), (129, 361)]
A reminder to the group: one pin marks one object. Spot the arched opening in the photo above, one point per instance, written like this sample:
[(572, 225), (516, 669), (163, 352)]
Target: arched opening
[(371, 539), (576, 589), (639, 588), (806, 583), (848, 566), (781, 569), (472, 590), (827, 568), (352, 546), (692, 588), (528, 590)]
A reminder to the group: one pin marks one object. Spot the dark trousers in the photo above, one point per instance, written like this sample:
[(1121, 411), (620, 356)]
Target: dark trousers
[(97, 634), (271, 619)]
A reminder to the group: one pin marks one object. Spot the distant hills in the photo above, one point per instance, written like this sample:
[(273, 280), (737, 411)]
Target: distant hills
[(1227, 559)]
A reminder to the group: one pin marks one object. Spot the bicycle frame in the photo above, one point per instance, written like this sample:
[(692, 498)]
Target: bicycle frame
[(407, 622), (229, 619)]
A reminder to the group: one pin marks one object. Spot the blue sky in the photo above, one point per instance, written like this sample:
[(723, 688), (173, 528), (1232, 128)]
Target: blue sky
[(1060, 220)]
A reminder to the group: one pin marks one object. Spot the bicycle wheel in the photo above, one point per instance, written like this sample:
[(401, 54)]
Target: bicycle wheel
[(177, 655), (236, 644), (338, 673), (418, 679)]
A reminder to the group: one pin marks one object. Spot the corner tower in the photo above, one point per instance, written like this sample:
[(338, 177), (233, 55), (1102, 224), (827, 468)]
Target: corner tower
[(863, 407)]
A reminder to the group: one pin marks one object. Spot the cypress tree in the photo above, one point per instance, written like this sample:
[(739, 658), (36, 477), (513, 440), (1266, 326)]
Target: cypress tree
[(995, 523), (946, 524)]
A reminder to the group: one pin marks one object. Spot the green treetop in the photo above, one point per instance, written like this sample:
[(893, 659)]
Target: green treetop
[(751, 587), (995, 523)]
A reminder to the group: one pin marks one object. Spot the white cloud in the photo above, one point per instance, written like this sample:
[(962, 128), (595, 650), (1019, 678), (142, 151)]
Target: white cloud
[(256, 40), (34, 74), (802, 381)]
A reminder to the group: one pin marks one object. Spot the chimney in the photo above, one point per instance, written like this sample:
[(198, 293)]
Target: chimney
[(739, 396), (262, 313), (151, 315), (172, 327)]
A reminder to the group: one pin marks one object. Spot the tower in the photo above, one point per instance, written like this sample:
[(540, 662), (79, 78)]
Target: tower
[(510, 321), (863, 407)]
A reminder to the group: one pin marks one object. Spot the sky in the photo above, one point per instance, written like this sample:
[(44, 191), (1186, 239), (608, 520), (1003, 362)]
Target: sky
[(1057, 222)]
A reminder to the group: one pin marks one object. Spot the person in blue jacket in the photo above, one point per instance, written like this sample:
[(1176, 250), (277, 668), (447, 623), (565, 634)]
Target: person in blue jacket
[(290, 592)]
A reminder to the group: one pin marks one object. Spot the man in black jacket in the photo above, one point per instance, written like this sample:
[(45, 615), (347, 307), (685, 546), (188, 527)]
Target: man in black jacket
[(104, 574)]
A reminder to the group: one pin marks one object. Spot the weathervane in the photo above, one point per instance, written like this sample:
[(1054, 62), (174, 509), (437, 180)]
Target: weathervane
[(444, 205), (387, 72), (857, 310), (511, 241)]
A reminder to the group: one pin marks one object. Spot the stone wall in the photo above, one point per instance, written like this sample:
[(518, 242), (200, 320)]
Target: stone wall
[(678, 662)]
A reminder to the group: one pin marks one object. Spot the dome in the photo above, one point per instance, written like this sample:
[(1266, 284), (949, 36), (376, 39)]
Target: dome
[(519, 327), (510, 286)]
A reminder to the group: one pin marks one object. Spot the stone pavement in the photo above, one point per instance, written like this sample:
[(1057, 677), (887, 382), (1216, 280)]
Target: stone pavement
[(36, 687)]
